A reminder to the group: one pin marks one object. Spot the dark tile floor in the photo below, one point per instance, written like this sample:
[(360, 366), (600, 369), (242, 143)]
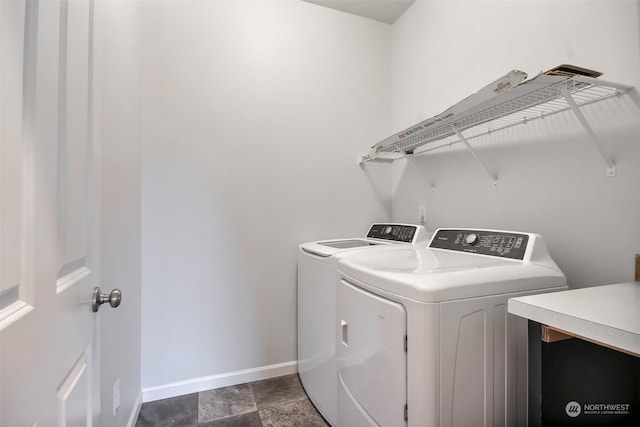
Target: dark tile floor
[(276, 402)]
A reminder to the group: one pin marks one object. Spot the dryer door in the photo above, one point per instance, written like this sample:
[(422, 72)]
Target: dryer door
[(372, 362)]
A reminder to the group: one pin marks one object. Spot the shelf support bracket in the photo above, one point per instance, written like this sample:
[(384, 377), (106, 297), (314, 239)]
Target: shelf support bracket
[(611, 167), (494, 178), (410, 160)]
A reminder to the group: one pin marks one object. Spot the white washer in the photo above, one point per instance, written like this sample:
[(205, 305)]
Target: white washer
[(424, 338), (317, 264)]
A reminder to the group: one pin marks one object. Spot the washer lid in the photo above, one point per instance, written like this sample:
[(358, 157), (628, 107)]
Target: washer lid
[(347, 244), (378, 234), (434, 275), (327, 248)]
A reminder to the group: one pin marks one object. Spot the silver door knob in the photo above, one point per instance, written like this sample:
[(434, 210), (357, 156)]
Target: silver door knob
[(99, 298)]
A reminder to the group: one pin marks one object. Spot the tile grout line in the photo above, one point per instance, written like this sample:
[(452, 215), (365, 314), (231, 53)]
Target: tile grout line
[(256, 403)]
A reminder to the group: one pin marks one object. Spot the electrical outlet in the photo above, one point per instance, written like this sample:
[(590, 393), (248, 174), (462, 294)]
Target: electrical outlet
[(422, 213), (116, 396)]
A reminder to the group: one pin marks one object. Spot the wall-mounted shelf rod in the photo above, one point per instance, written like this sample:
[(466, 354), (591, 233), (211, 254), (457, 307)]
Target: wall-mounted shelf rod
[(542, 96)]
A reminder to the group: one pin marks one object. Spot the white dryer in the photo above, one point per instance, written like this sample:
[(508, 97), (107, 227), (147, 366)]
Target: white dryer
[(317, 264), (424, 338)]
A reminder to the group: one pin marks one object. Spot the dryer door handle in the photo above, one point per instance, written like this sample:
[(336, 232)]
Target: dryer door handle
[(345, 332)]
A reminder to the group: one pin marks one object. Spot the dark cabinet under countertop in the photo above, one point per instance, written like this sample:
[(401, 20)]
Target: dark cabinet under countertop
[(573, 382)]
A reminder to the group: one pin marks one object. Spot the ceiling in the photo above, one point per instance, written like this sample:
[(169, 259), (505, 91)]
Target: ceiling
[(380, 10)]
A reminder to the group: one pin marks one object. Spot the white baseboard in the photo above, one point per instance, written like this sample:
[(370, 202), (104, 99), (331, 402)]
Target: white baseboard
[(196, 385), (135, 412)]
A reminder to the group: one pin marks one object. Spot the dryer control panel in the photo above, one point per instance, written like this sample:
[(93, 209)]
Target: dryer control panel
[(396, 232), (486, 242)]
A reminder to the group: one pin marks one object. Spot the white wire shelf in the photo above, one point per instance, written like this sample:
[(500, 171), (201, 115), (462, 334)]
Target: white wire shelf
[(537, 98)]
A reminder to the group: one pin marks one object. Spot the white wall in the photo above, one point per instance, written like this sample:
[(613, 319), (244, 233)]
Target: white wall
[(117, 118), (551, 180), (252, 115)]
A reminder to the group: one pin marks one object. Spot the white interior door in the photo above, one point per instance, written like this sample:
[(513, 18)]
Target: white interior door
[(49, 236)]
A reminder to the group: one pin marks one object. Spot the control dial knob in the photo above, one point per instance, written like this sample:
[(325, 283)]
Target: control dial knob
[(472, 239)]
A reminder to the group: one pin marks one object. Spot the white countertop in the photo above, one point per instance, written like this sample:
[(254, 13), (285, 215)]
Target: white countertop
[(608, 315)]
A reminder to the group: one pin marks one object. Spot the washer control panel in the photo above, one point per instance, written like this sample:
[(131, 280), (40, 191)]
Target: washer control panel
[(396, 232), (485, 242)]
